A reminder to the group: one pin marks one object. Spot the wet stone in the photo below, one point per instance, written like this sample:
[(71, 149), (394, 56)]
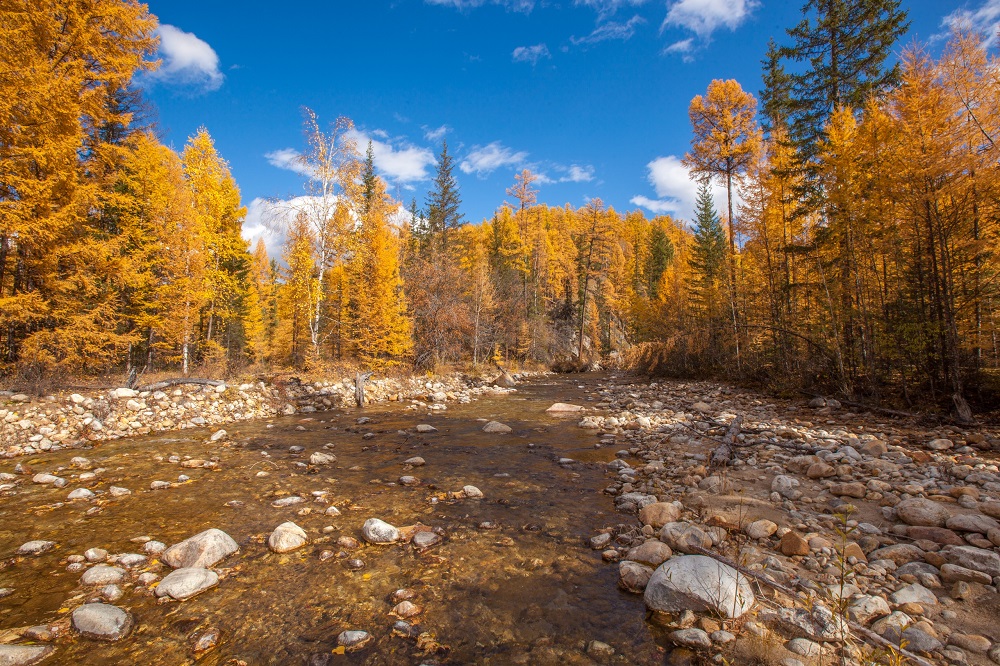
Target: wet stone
[(287, 537), (102, 622), (354, 639), (424, 539), (205, 549), (377, 531), (691, 638), (24, 655), (36, 547), (103, 575), (183, 584)]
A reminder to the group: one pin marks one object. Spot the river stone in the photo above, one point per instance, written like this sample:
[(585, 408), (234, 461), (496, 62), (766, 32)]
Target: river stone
[(692, 638), (291, 500), (651, 552), (991, 509), (684, 537), (379, 532), (633, 502), (940, 535), (415, 461), (202, 550), (819, 624), (185, 583), (792, 544), (425, 428), (972, 522), (917, 640), (49, 479), (563, 408), (915, 593), (320, 458), (424, 539), (354, 640), (804, 647), (866, 608), (659, 514), (495, 427), (102, 575), (977, 559), (900, 554), (36, 547), (633, 576), (698, 583), (760, 529), (952, 573), (102, 622), (940, 444), (786, 486), (81, 493), (287, 537), (24, 655), (970, 642), (919, 511)]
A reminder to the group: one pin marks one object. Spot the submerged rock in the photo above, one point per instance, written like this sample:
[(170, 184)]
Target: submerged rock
[(379, 532), (287, 537), (205, 549), (24, 655), (185, 583), (102, 622)]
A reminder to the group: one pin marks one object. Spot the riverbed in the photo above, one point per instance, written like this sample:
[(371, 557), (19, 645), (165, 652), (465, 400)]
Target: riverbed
[(512, 582)]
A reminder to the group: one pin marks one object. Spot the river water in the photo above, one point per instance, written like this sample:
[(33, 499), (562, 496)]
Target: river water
[(513, 582)]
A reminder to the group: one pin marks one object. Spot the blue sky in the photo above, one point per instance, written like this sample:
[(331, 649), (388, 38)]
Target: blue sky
[(593, 94)]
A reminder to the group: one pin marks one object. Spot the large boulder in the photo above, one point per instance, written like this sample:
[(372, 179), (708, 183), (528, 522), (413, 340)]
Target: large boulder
[(918, 511), (203, 550), (699, 583)]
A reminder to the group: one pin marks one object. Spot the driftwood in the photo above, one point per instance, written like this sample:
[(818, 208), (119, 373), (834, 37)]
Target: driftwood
[(359, 387), (867, 635), (722, 455), (179, 381)]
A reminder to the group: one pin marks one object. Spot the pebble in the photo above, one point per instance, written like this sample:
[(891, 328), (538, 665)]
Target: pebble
[(36, 547), (354, 640), (103, 575)]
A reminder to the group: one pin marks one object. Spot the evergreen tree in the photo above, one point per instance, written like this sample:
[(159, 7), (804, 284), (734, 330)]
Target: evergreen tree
[(443, 200), (661, 252), (368, 179), (845, 44), (775, 98), (709, 252)]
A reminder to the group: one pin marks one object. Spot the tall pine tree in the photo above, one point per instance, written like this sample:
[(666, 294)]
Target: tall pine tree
[(443, 200), (844, 45)]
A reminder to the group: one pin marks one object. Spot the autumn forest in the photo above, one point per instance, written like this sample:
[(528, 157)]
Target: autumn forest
[(855, 250)]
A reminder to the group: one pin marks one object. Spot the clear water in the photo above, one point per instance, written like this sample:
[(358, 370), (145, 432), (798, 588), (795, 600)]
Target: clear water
[(527, 590)]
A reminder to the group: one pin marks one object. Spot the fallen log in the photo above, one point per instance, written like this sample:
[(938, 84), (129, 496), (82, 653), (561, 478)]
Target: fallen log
[(166, 383), (722, 455), (867, 635)]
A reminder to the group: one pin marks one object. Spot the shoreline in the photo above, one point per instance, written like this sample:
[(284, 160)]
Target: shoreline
[(30, 426)]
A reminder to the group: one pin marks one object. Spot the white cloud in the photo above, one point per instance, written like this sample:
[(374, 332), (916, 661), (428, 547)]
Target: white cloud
[(985, 18), (435, 134), (531, 54), (186, 60), (287, 158), (256, 226), (605, 8), (484, 160), (578, 174), (676, 191), (523, 6), (402, 163), (611, 30), (703, 18)]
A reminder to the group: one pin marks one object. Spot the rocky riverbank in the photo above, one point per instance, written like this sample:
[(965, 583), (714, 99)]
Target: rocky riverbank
[(832, 516), (67, 420)]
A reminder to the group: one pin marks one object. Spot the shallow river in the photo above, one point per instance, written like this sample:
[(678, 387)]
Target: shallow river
[(513, 582)]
